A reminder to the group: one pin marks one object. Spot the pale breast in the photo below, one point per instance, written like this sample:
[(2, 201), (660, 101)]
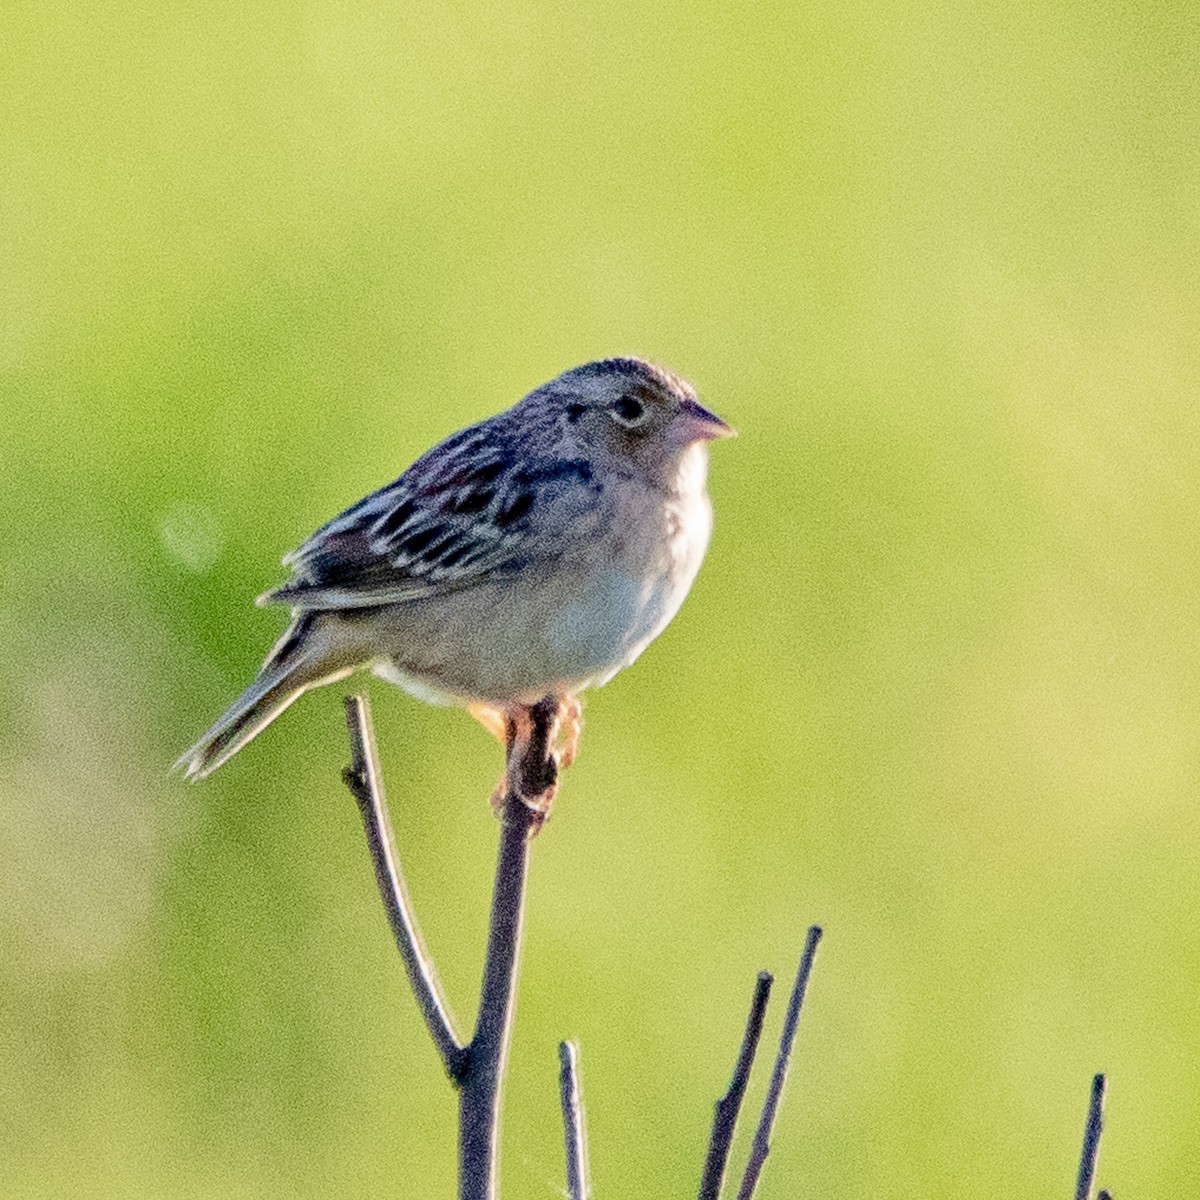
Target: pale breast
[(628, 601), (566, 624)]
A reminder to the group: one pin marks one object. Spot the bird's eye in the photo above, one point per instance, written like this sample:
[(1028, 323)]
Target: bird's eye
[(628, 411)]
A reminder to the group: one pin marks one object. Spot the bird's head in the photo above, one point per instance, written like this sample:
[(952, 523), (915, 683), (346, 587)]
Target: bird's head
[(632, 413)]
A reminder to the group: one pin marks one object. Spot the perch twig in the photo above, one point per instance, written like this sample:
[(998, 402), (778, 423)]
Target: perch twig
[(477, 1068)]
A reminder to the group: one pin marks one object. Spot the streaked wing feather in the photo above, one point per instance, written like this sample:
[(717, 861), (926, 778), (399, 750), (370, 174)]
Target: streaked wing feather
[(462, 513)]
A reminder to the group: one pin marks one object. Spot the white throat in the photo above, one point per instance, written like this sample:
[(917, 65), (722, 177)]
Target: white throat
[(692, 472)]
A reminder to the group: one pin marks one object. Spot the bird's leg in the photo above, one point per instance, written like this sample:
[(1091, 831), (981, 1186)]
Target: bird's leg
[(542, 740), (509, 726), (531, 773), (491, 718), (495, 721), (518, 730), (570, 724), (566, 738)]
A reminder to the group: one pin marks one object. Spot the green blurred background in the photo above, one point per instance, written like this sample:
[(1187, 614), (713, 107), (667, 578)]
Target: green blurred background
[(937, 687)]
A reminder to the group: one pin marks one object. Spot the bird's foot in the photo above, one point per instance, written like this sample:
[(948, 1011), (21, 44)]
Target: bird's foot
[(542, 741), (531, 773)]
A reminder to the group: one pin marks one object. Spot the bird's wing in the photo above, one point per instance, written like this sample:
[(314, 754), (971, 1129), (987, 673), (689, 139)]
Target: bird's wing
[(469, 510)]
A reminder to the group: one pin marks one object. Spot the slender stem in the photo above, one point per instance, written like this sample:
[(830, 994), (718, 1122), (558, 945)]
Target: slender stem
[(364, 780), (727, 1108), (1091, 1140), (761, 1146), (574, 1134), (530, 781), (479, 1100)]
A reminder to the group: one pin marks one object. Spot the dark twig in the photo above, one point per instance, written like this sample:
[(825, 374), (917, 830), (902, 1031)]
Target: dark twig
[(479, 1100), (364, 780), (761, 1146), (727, 1108), (574, 1134), (1091, 1140), (530, 780), (477, 1068)]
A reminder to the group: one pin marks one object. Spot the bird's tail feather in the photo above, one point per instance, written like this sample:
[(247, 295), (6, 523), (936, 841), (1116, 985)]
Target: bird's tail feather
[(290, 670)]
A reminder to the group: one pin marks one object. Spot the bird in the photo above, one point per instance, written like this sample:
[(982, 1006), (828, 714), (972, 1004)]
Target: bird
[(532, 555)]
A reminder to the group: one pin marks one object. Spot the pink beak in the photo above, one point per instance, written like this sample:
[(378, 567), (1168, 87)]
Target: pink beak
[(694, 423)]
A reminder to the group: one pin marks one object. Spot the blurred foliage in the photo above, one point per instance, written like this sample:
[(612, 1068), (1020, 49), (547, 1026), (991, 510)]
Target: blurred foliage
[(937, 686)]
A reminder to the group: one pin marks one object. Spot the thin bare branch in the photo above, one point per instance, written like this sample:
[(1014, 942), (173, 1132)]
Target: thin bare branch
[(727, 1108), (1091, 1140), (530, 781), (364, 780), (761, 1146), (574, 1129)]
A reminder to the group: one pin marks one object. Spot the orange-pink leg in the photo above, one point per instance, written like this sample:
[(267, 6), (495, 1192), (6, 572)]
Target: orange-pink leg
[(513, 722), (570, 725), (492, 719)]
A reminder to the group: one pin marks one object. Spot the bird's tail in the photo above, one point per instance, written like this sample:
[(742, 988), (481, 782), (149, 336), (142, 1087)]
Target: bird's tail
[(297, 663)]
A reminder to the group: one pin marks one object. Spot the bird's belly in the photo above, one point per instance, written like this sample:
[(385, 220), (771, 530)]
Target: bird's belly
[(609, 624), (572, 625)]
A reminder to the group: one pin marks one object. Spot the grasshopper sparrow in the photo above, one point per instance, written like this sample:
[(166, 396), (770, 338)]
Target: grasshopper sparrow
[(534, 554)]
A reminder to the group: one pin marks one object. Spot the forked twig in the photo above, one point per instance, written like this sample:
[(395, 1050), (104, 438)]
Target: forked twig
[(761, 1146), (477, 1068), (728, 1107), (574, 1129), (1091, 1140)]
